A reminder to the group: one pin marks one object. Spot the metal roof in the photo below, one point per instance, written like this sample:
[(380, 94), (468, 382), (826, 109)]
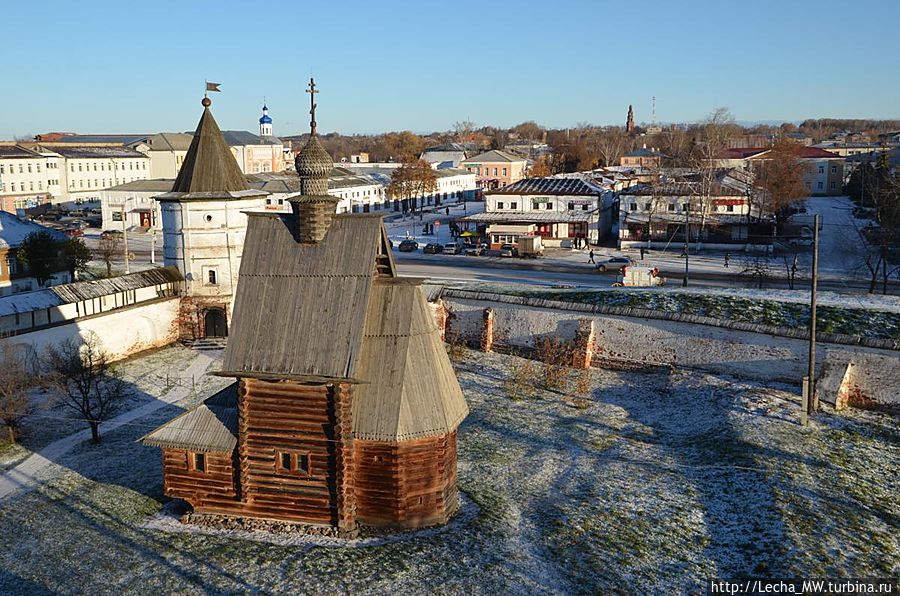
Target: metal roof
[(531, 216), (682, 189), (238, 138), (122, 139), (159, 185), (17, 152), (548, 186), (494, 156), (79, 152), (210, 427), (411, 390), (170, 141), (322, 289)]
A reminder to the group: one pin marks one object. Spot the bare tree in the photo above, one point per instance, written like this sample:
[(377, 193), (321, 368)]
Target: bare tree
[(17, 378), (109, 246), (779, 178), (791, 267), (758, 267), (415, 178), (86, 380)]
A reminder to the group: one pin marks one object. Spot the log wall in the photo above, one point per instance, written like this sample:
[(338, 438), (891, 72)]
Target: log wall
[(293, 418), (409, 484), (213, 488)]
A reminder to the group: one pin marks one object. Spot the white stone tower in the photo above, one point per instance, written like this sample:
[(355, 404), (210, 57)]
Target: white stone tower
[(204, 227)]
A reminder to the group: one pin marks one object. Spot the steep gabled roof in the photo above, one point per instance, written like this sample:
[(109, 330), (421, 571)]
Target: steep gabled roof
[(322, 290), (209, 166)]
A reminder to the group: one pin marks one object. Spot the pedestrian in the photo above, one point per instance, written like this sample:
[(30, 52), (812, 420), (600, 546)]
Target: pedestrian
[(591, 256), (642, 253), (727, 257), (447, 210)]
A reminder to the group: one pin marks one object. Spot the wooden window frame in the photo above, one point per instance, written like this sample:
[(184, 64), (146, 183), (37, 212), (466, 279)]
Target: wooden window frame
[(193, 459), (295, 459)]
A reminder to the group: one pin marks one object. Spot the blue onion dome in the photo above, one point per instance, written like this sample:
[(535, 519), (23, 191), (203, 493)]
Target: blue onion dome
[(265, 117)]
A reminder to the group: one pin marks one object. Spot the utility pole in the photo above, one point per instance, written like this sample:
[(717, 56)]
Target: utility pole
[(687, 240), (153, 246), (125, 240), (813, 400)]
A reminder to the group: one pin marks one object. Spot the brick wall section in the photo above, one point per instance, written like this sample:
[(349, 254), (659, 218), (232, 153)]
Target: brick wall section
[(637, 340), (583, 351), (487, 330)]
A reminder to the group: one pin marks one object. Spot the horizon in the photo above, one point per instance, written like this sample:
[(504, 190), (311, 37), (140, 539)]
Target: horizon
[(374, 82)]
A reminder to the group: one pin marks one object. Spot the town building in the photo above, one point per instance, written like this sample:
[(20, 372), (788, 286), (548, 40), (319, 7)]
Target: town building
[(561, 210), (166, 151), (204, 221), (641, 158), (88, 169), (629, 121), (134, 203), (14, 274), (345, 406), (725, 217), (496, 169), (824, 169), (28, 177), (449, 155)]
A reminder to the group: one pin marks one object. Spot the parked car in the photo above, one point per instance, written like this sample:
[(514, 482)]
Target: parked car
[(74, 232), (112, 233), (613, 264), (408, 246), (451, 248), (433, 248), (475, 250), (509, 250)]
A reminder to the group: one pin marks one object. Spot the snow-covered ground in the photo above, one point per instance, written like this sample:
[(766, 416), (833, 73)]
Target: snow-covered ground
[(659, 482)]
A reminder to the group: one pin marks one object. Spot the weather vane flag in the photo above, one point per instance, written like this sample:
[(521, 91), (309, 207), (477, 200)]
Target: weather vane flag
[(213, 87)]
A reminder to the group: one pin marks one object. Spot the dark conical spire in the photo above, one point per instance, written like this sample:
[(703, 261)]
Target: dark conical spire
[(209, 166)]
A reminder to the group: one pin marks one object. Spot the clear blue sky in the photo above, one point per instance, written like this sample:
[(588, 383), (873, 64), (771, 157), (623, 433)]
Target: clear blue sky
[(100, 66)]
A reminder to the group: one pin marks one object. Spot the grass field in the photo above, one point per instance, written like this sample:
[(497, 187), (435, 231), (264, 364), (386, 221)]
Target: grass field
[(658, 482)]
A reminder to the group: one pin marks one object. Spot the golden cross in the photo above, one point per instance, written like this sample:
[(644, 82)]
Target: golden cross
[(312, 105)]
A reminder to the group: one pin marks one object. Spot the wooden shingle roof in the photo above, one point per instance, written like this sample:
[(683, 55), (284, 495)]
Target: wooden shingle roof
[(209, 169), (410, 389), (322, 291), (210, 427)]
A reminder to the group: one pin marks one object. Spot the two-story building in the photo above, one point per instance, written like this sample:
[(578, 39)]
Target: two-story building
[(496, 169), (724, 217), (561, 210), (641, 158), (824, 169)]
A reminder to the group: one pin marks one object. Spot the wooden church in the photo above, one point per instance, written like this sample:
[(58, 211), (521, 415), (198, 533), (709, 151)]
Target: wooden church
[(345, 406)]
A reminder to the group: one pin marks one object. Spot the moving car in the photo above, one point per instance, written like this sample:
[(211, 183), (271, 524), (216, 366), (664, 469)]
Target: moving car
[(509, 250), (475, 250), (451, 248), (613, 264), (640, 276), (433, 248), (408, 246)]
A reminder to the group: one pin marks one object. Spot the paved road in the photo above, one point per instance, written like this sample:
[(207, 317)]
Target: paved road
[(40, 466)]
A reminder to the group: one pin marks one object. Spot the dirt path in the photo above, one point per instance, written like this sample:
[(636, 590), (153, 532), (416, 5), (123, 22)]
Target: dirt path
[(41, 465)]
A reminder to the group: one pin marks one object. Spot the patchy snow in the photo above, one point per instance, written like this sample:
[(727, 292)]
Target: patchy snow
[(168, 521), (14, 230), (659, 482)]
